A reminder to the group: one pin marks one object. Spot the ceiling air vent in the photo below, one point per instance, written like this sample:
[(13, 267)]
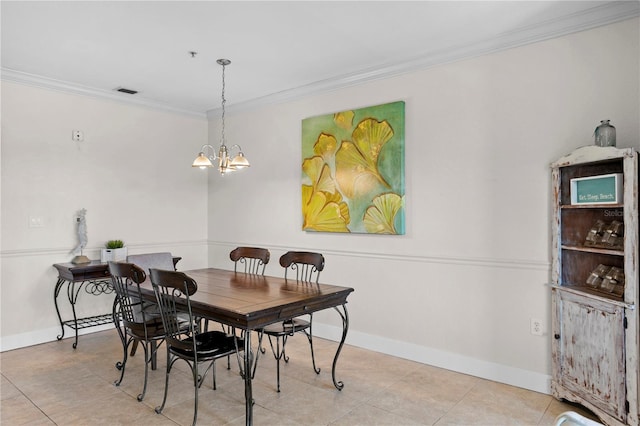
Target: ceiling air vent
[(124, 90)]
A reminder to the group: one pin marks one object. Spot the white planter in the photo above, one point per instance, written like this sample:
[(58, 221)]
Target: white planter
[(114, 255)]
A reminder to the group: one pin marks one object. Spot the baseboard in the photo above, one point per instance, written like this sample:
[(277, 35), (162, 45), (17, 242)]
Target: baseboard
[(525, 379)]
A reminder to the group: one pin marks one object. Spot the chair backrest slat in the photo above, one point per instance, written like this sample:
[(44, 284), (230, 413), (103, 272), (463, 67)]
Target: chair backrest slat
[(254, 259)]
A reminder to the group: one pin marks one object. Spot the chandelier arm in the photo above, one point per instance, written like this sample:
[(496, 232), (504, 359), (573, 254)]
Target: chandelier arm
[(213, 155), (235, 146)]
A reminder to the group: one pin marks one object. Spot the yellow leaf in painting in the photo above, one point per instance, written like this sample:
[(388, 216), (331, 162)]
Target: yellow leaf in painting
[(344, 119), (320, 174), (344, 208), (320, 214), (325, 145), (307, 192), (380, 217), (357, 160)]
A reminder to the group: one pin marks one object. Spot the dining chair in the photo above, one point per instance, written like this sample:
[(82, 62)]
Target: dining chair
[(146, 261), (254, 259), (141, 322), (173, 291), (307, 267)]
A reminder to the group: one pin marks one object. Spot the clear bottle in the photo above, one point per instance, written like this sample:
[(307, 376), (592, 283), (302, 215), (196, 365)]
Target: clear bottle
[(605, 134)]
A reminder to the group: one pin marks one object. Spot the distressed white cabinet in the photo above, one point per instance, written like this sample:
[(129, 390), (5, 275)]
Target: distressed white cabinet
[(594, 313)]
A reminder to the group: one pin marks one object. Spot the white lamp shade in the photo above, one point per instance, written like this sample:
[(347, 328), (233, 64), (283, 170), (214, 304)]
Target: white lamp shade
[(240, 161), (201, 161)]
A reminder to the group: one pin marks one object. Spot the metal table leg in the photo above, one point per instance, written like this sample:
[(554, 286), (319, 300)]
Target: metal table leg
[(345, 328), (56, 292), (248, 391), (72, 295)]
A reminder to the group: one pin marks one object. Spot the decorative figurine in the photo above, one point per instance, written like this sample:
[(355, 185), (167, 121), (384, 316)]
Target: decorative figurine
[(82, 239)]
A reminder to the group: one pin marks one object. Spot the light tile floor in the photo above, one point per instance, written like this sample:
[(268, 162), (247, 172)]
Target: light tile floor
[(53, 384)]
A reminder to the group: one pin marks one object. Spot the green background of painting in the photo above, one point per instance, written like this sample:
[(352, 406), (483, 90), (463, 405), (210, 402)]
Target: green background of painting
[(390, 160)]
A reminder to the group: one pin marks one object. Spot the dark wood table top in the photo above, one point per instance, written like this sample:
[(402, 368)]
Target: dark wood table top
[(83, 271), (253, 301)]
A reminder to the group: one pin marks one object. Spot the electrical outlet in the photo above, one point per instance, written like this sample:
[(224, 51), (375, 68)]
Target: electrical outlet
[(536, 327)]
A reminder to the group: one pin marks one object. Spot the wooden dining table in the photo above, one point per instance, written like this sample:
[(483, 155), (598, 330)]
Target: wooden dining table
[(250, 302)]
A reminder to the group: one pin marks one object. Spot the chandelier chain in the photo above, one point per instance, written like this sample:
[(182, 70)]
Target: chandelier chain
[(224, 101)]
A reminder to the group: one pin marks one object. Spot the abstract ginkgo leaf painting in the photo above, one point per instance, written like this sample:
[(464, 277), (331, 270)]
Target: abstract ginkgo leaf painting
[(353, 171)]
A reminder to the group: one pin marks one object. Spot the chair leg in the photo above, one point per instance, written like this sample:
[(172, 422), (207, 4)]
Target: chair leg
[(213, 372), (159, 409), (260, 349), (154, 358), (313, 357), (120, 328), (196, 386), (229, 331), (147, 358), (120, 365), (278, 354), (134, 347)]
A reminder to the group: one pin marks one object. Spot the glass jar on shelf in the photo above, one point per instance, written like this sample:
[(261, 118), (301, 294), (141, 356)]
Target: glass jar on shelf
[(605, 134)]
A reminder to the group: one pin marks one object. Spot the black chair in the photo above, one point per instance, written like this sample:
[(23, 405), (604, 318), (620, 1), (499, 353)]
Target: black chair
[(254, 259), (173, 292), (140, 320), (307, 267), (146, 261)]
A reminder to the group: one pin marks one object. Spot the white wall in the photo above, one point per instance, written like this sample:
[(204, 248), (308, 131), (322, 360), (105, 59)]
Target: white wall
[(132, 173), (459, 289)]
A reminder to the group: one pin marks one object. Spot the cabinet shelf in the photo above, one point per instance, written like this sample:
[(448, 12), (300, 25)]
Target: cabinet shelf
[(594, 294), (598, 250), (591, 206)]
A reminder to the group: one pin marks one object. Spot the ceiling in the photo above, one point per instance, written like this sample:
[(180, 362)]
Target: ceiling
[(278, 49)]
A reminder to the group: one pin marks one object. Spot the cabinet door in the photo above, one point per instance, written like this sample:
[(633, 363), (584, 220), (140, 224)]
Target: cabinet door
[(592, 352)]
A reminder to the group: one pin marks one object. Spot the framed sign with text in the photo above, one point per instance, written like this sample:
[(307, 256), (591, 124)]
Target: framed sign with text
[(602, 189)]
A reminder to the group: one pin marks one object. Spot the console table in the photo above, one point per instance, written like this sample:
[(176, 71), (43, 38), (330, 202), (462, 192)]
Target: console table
[(94, 277)]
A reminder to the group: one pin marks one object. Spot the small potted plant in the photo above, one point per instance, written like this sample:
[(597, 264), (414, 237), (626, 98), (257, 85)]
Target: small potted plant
[(114, 250)]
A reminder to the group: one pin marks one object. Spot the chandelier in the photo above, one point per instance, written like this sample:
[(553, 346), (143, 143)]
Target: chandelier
[(223, 160)]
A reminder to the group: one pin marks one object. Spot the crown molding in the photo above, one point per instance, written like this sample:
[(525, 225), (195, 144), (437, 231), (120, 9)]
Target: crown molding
[(67, 87), (597, 16)]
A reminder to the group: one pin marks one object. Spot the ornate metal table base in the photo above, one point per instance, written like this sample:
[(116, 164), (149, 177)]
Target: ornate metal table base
[(73, 291), (95, 280)]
